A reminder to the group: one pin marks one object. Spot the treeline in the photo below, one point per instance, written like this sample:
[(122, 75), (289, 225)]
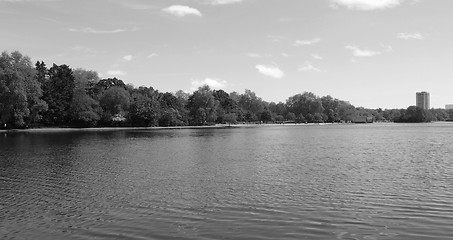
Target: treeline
[(36, 96)]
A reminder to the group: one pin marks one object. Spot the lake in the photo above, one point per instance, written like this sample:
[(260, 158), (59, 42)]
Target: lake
[(370, 181)]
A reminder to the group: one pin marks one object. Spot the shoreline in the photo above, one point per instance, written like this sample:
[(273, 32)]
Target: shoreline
[(100, 129), (105, 129)]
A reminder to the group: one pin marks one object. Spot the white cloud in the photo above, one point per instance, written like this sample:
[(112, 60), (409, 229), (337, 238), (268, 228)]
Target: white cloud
[(308, 67), (316, 56), (299, 43), (285, 55), (116, 73), (152, 55), (211, 82), (97, 31), (366, 5), (222, 2), (127, 58), (270, 71), (407, 36), (362, 52), (181, 11)]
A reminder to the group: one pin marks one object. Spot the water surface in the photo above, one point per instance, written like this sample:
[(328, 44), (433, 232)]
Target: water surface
[(374, 181)]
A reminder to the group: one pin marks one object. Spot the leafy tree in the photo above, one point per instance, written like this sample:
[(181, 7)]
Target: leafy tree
[(174, 106), (105, 84), (249, 102), (310, 118), (331, 108), (278, 108), (115, 101), (300, 118), (439, 114), (450, 114), (41, 72), (145, 108), (182, 96), (279, 118), (266, 116), (84, 111), (250, 117), (225, 101), (391, 114), (291, 116), (58, 92), (20, 92), (226, 105), (230, 118), (306, 103), (170, 117), (86, 80), (346, 111), (318, 117), (414, 114), (202, 106)]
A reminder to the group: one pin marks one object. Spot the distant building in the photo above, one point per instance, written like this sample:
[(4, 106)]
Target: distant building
[(422, 100), (449, 106)]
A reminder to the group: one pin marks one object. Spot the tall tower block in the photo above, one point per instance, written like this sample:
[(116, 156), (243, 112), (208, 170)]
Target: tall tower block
[(422, 100)]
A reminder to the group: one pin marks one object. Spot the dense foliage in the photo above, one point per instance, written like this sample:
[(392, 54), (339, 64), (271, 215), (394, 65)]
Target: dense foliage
[(34, 96)]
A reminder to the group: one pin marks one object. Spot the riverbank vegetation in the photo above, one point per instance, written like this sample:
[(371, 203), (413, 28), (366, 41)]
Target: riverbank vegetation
[(59, 96)]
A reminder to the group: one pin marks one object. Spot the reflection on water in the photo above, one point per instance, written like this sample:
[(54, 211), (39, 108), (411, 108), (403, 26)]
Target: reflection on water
[(284, 182)]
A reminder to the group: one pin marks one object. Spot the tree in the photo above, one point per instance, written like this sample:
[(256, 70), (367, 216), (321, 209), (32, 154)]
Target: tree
[(318, 118), (202, 106), (58, 92), (115, 101), (279, 118), (331, 108), (226, 105), (414, 114), (104, 84), (86, 80), (144, 110), (278, 108), (230, 118), (291, 116), (174, 106), (84, 111), (450, 114), (170, 117), (438, 114), (310, 118), (306, 103), (300, 118), (346, 111), (249, 102), (20, 92), (266, 116), (391, 114)]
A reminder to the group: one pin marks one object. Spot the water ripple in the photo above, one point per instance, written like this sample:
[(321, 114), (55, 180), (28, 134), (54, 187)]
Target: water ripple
[(293, 182)]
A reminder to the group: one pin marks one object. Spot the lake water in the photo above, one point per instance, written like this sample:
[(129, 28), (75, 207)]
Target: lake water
[(373, 181)]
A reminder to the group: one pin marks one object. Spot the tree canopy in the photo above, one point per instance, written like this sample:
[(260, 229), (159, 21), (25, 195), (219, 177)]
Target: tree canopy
[(61, 96)]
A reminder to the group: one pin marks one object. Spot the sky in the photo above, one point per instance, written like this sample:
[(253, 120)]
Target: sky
[(372, 53)]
